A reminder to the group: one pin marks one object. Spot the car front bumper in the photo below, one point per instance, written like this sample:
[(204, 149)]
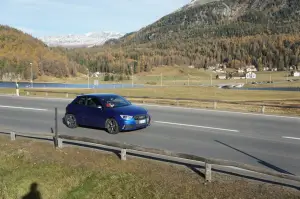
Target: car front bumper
[(134, 124)]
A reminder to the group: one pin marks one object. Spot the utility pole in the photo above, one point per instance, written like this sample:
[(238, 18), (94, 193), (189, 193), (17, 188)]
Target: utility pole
[(31, 75), (131, 76), (88, 74)]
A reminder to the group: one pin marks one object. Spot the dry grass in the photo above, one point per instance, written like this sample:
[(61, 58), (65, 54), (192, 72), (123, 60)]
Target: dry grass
[(280, 98), (190, 92), (82, 173)]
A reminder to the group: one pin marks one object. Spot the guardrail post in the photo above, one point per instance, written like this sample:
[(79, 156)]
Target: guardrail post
[(215, 105), (27, 93), (59, 143), (177, 102), (46, 93), (263, 109), (12, 136), (123, 154), (67, 95), (208, 172)]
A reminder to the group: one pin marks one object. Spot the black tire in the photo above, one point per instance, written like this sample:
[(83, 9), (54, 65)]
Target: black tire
[(70, 121), (112, 126)]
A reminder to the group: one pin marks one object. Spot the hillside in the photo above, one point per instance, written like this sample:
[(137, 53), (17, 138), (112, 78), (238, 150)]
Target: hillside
[(18, 50), (226, 18), (264, 33)]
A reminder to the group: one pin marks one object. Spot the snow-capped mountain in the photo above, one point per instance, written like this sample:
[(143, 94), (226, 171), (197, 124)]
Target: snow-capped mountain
[(194, 3), (80, 40)]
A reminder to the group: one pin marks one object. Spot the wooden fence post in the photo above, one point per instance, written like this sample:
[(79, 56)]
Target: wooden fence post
[(123, 154), (215, 105), (12, 136), (208, 172), (263, 109)]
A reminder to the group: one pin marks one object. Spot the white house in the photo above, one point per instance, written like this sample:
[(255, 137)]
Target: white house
[(251, 69), (221, 76), (250, 75), (240, 70), (296, 74)]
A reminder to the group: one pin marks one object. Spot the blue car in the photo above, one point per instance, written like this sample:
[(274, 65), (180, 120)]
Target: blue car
[(107, 111)]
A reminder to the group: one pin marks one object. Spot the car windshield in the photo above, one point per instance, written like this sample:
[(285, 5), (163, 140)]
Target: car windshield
[(115, 101)]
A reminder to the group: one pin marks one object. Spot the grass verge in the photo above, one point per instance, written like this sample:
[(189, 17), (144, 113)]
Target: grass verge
[(81, 173), (257, 98)]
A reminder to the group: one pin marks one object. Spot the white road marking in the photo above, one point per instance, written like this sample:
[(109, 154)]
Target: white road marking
[(23, 108), (196, 126), (293, 138), (164, 106)]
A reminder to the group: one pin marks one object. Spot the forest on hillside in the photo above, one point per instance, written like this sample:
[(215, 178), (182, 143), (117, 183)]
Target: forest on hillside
[(273, 51), (18, 50)]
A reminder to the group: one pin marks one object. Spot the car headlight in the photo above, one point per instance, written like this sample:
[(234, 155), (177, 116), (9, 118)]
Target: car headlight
[(126, 117)]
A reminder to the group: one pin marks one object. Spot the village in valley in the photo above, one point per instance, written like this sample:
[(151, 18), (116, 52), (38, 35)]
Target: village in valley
[(247, 72)]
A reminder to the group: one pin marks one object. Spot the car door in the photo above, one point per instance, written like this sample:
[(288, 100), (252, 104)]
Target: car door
[(78, 109), (94, 113)]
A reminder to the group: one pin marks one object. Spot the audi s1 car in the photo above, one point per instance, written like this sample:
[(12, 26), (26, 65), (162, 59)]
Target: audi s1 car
[(107, 111)]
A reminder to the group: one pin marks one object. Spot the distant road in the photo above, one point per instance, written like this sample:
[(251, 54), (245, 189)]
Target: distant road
[(266, 141)]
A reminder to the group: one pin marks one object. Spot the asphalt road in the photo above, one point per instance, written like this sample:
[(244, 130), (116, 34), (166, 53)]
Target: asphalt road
[(267, 141)]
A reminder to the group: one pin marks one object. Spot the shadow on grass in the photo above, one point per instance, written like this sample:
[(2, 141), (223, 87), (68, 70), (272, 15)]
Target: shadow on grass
[(33, 193)]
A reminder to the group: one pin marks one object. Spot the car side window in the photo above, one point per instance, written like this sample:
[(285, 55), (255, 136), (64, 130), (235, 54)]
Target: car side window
[(92, 102), (80, 101)]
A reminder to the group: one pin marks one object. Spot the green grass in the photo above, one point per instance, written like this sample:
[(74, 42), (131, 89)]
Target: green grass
[(72, 173)]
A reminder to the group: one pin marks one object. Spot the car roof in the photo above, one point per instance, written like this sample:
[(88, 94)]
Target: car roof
[(99, 94)]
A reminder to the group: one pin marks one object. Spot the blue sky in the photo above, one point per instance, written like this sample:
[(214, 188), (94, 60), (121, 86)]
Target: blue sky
[(59, 17)]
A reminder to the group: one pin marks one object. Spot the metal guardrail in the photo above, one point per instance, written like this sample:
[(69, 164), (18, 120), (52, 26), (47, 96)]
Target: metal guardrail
[(151, 152)]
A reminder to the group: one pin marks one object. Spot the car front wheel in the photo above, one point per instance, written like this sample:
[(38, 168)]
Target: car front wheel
[(112, 126)]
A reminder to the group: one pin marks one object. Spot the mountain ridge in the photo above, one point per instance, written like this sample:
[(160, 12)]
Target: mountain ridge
[(89, 39)]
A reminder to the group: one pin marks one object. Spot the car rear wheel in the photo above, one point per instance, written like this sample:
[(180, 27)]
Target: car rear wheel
[(70, 121), (112, 126)]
